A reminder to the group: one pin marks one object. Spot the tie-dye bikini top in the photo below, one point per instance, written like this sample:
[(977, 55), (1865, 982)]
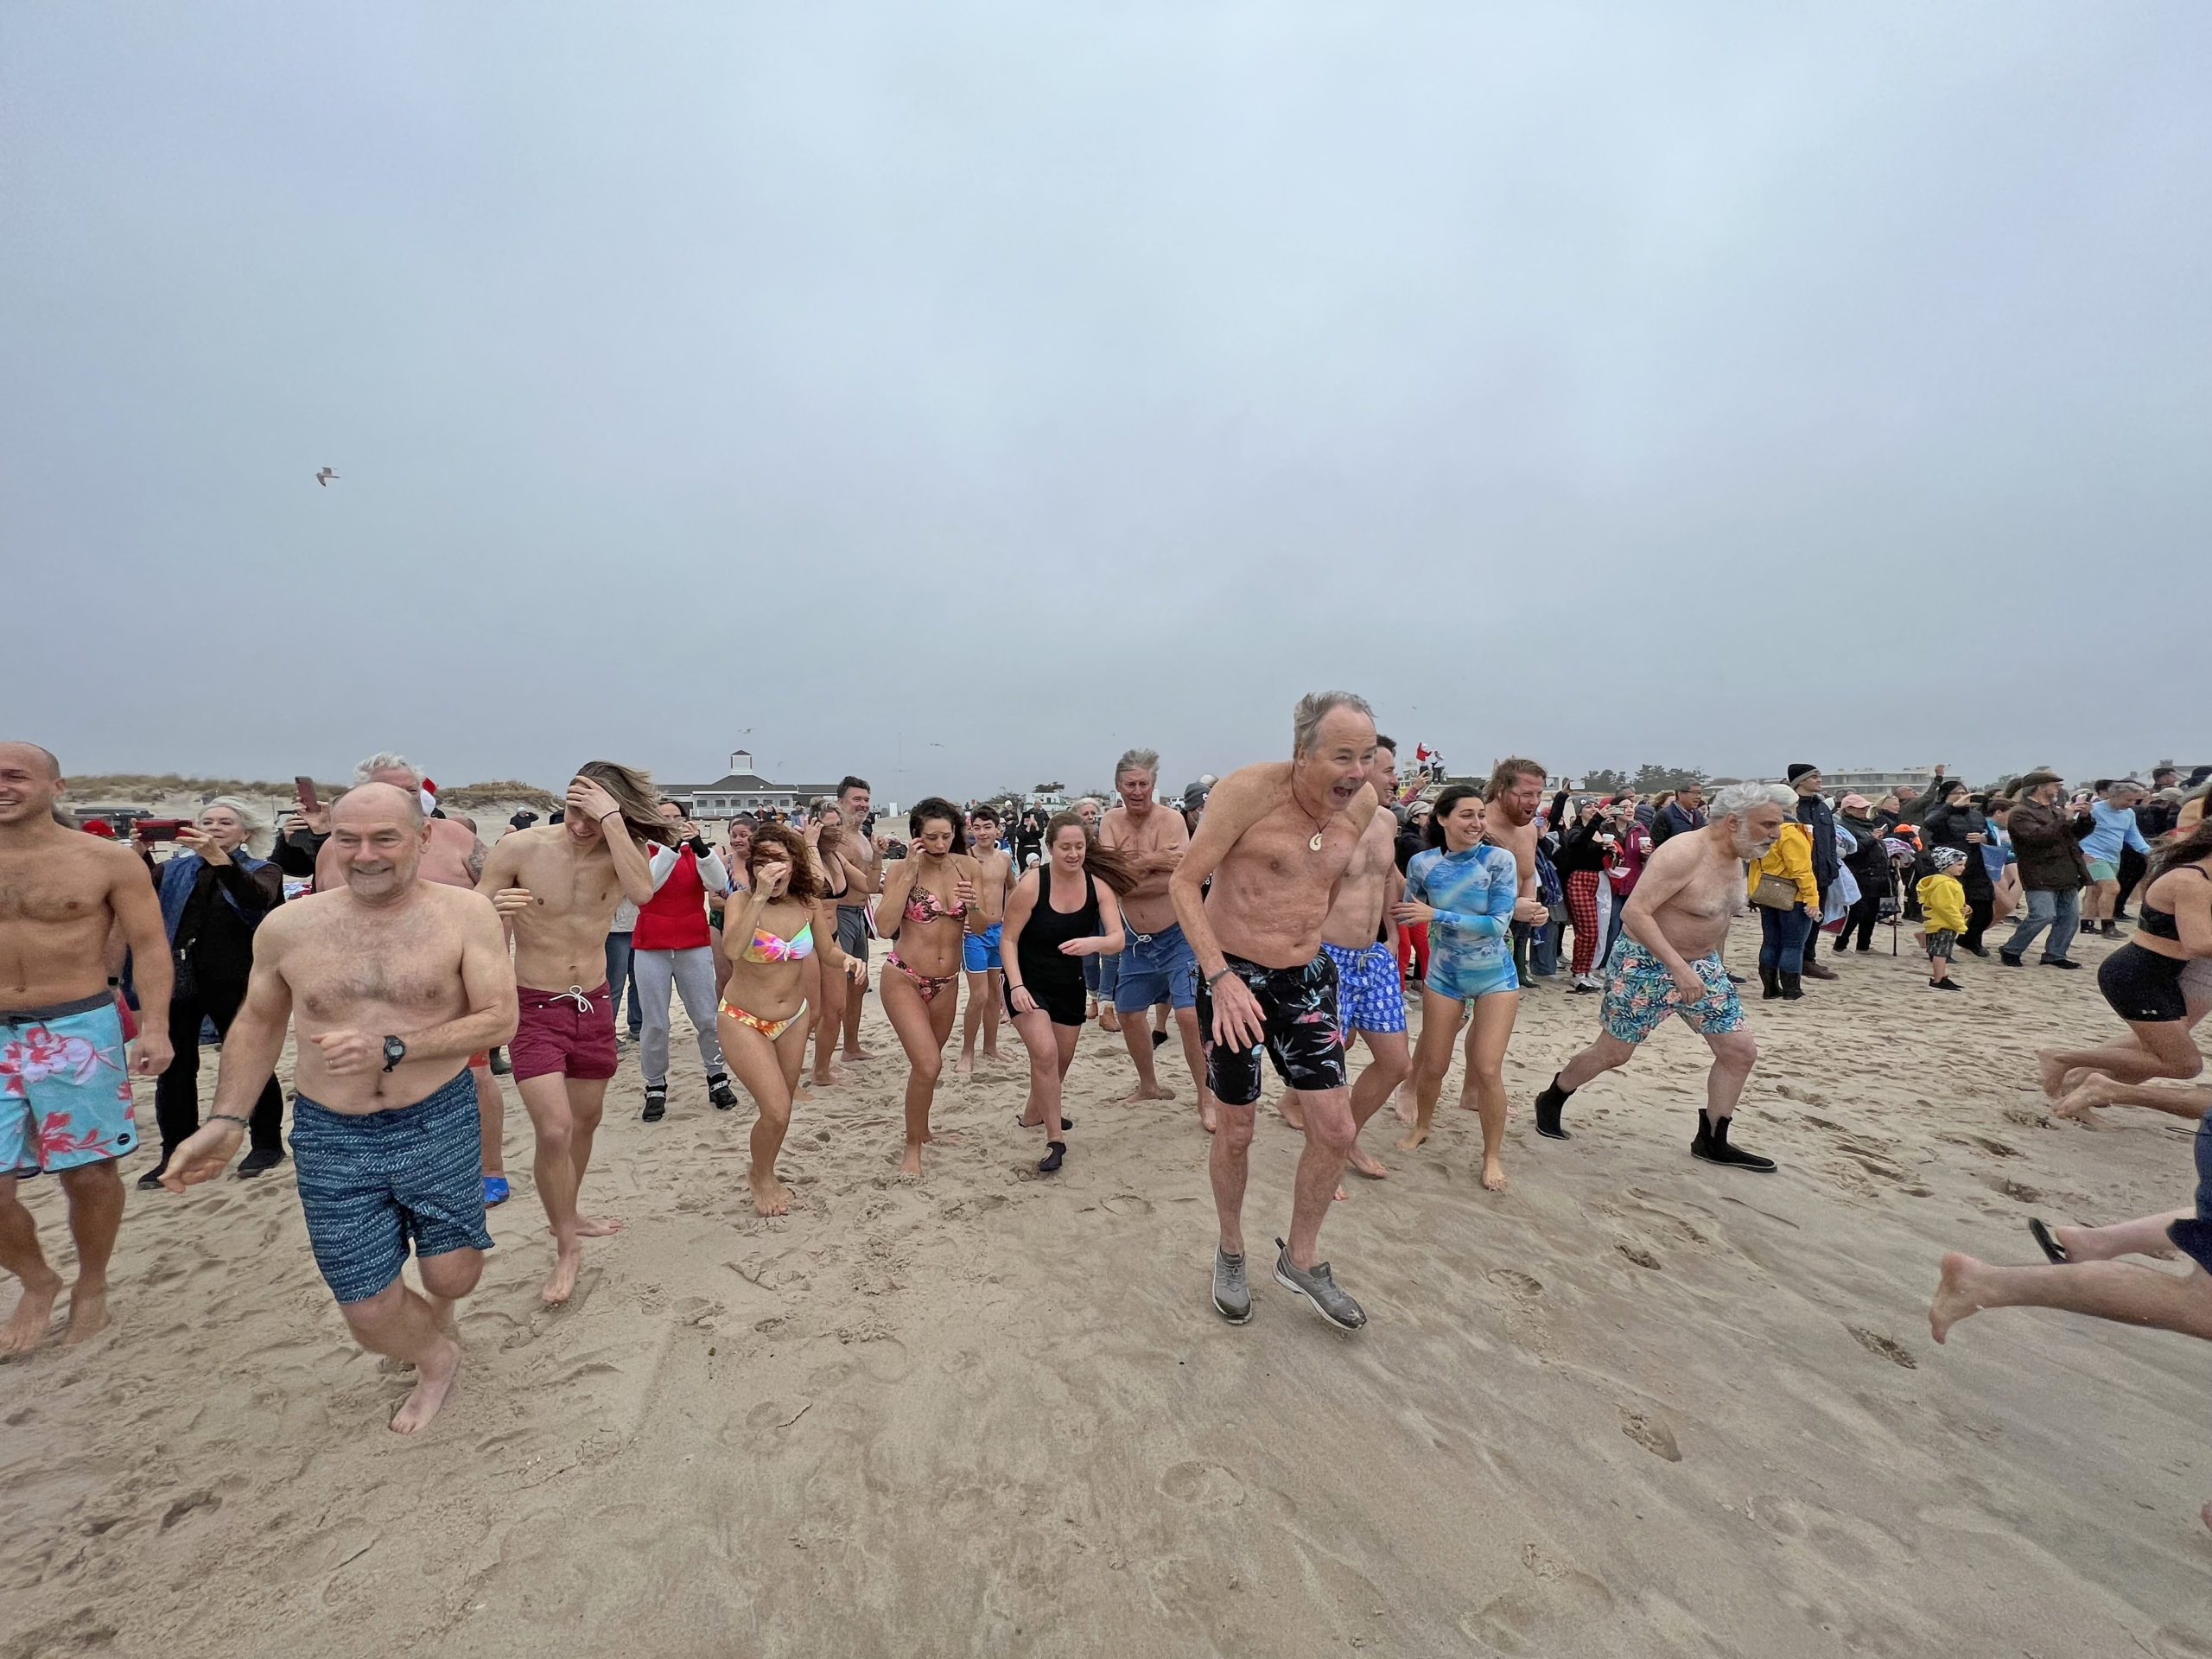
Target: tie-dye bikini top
[(767, 947)]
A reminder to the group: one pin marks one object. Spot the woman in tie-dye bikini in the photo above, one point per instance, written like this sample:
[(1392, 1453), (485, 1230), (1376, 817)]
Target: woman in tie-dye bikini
[(784, 918)]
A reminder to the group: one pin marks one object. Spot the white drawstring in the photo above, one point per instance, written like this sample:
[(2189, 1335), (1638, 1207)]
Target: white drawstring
[(575, 993)]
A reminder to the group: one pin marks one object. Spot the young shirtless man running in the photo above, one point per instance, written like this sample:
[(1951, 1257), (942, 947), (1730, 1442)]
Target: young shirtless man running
[(1668, 962), (395, 980), (1277, 838), (979, 947), (65, 1079), (558, 886), (1156, 964), (1370, 995), (863, 863)]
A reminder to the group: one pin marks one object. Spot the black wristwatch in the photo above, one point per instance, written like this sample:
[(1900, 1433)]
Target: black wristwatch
[(394, 1052)]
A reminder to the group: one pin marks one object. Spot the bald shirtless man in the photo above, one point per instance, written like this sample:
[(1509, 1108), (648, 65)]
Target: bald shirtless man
[(557, 886), (1277, 839), (65, 1079), (394, 982), (1370, 993), (1668, 962), (1156, 964), (453, 857)]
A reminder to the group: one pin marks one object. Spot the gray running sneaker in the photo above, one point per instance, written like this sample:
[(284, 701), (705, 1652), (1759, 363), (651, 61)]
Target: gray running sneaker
[(1318, 1286), (1232, 1297)]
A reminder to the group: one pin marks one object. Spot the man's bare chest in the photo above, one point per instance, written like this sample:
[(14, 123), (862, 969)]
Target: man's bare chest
[(564, 887), (50, 892), (340, 969)]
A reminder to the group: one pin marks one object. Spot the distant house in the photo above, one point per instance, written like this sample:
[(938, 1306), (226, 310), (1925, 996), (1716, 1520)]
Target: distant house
[(742, 790), (1874, 784)]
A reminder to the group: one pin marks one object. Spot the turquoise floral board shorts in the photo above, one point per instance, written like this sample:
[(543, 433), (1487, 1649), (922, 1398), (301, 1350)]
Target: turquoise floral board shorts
[(1640, 993), (64, 1087)]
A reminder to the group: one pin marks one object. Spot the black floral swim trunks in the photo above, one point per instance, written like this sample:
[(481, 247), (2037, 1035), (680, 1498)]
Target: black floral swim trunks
[(1303, 1034)]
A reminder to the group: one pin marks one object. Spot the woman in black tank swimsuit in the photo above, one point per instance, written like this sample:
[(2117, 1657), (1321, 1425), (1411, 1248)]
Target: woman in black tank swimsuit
[(1062, 912), (2142, 980)]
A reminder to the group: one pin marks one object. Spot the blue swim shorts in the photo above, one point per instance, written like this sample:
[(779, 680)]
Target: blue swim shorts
[(1464, 982), (1157, 968), (2193, 1234), (372, 1181), (1370, 995), (64, 1087), (1640, 993), (979, 952)]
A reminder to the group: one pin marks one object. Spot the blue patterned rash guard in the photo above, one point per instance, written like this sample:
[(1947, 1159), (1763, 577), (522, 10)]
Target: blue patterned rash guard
[(1472, 893)]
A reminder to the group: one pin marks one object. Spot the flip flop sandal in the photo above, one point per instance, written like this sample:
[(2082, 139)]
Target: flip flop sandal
[(2047, 1243)]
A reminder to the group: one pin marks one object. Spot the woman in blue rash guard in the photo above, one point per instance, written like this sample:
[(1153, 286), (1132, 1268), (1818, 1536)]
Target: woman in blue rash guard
[(1464, 888)]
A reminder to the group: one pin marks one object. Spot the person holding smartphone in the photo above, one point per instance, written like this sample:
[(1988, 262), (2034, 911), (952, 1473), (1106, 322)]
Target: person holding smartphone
[(213, 894)]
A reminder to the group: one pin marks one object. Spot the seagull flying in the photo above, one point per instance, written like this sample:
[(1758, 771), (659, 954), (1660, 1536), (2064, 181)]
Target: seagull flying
[(324, 477)]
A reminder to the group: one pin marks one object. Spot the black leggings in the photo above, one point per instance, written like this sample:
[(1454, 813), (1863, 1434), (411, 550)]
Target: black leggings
[(177, 1092), (1859, 919), (1978, 910)]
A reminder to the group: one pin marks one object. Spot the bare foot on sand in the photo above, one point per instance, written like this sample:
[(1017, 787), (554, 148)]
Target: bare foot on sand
[(770, 1196), (1341, 1194), (88, 1314), (27, 1326), (965, 1067), (1365, 1164), (911, 1163), (1108, 1020), (434, 1382), (2054, 1074), (855, 1055), (597, 1226), (1207, 1117), (1413, 1138), (1954, 1294), (1291, 1112), (1403, 1103), (1493, 1175), (836, 1076), (1158, 1091), (567, 1264), (1467, 1102), (2080, 1101)]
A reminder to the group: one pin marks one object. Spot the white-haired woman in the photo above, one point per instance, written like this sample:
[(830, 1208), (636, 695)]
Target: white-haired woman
[(213, 894)]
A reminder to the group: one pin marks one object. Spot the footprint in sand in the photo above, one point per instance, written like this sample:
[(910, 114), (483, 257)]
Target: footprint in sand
[(1653, 1435), (1522, 1288), (1207, 1484), (1642, 1257), (1534, 1620), (188, 1504), (1875, 1343), (320, 1553), (1128, 1204)]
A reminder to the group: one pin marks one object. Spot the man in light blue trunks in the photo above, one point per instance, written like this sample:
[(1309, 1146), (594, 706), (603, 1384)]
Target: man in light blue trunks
[(1668, 962), (1156, 965), (394, 982), (64, 1081)]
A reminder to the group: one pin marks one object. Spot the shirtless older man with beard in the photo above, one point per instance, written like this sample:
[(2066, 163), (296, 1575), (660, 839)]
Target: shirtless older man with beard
[(394, 982), (1370, 992), (454, 857), (558, 886), (1156, 963), (1277, 839), (1668, 962), (65, 1079)]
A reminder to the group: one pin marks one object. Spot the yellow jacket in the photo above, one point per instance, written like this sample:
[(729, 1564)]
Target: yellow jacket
[(1790, 858), (1943, 902)]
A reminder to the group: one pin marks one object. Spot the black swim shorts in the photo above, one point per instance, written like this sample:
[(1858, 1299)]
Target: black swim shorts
[(1304, 1035)]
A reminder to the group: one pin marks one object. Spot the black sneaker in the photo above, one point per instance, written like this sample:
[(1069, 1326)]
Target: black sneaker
[(656, 1103), (1549, 1106), (2060, 962), (2010, 959), (500, 1065), (259, 1162), (1943, 984), (720, 1092), (151, 1180)]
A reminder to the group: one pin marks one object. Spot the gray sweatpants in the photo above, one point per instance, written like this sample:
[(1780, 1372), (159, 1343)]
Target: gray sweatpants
[(693, 972)]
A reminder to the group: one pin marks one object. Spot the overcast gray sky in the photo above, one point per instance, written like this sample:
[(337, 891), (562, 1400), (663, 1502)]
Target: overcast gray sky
[(1707, 384)]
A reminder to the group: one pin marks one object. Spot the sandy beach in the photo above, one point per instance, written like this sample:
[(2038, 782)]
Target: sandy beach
[(1634, 1405)]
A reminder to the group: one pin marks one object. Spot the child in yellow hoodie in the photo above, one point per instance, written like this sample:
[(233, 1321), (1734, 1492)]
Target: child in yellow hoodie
[(1943, 911)]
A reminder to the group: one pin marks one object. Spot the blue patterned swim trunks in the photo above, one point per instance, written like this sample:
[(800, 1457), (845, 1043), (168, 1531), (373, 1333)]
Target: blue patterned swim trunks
[(1640, 993), (1370, 996), (372, 1181)]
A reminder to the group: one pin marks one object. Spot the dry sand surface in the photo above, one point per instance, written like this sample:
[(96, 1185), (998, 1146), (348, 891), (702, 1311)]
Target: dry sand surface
[(1633, 1405)]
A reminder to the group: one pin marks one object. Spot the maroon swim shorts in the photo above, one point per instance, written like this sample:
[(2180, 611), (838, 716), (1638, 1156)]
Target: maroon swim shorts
[(568, 1033)]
